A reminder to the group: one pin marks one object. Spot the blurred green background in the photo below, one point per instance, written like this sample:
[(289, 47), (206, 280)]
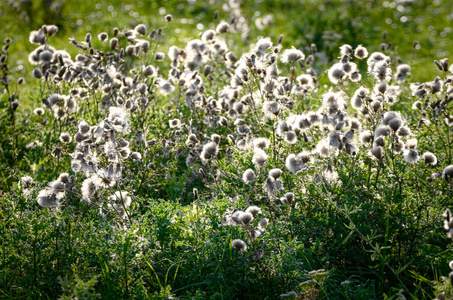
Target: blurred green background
[(327, 24)]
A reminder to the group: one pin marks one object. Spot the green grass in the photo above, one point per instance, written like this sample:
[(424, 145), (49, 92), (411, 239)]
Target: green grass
[(361, 226)]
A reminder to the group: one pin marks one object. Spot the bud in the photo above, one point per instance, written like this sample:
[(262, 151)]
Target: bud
[(140, 29), (438, 65), (444, 63), (15, 105), (207, 70), (113, 43), (56, 152), (314, 49)]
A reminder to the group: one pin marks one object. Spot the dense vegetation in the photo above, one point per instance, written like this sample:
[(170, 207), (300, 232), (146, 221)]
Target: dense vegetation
[(171, 149)]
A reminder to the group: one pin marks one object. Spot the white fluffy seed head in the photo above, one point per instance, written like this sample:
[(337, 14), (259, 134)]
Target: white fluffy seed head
[(346, 50), (36, 73), (262, 143), (175, 123), (275, 173), (289, 197), (447, 173), (395, 124), (323, 148), (377, 152), (114, 43), (259, 157), (271, 108), (430, 158), (292, 55), (290, 137), (404, 131), (379, 141), (246, 218), (381, 130), (356, 102), (89, 188), (222, 27), (47, 199), (208, 35), (294, 163), (336, 73), (26, 181), (50, 29), (411, 156), (140, 29), (412, 143), (263, 223), (360, 52), (248, 176), (254, 210), (37, 37), (239, 245), (103, 36), (136, 156), (390, 115), (209, 151), (65, 137)]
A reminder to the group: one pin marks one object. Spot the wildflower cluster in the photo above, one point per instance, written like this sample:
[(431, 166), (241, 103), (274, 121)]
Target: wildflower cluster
[(245, 219), (257, 87), (325, 162)]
